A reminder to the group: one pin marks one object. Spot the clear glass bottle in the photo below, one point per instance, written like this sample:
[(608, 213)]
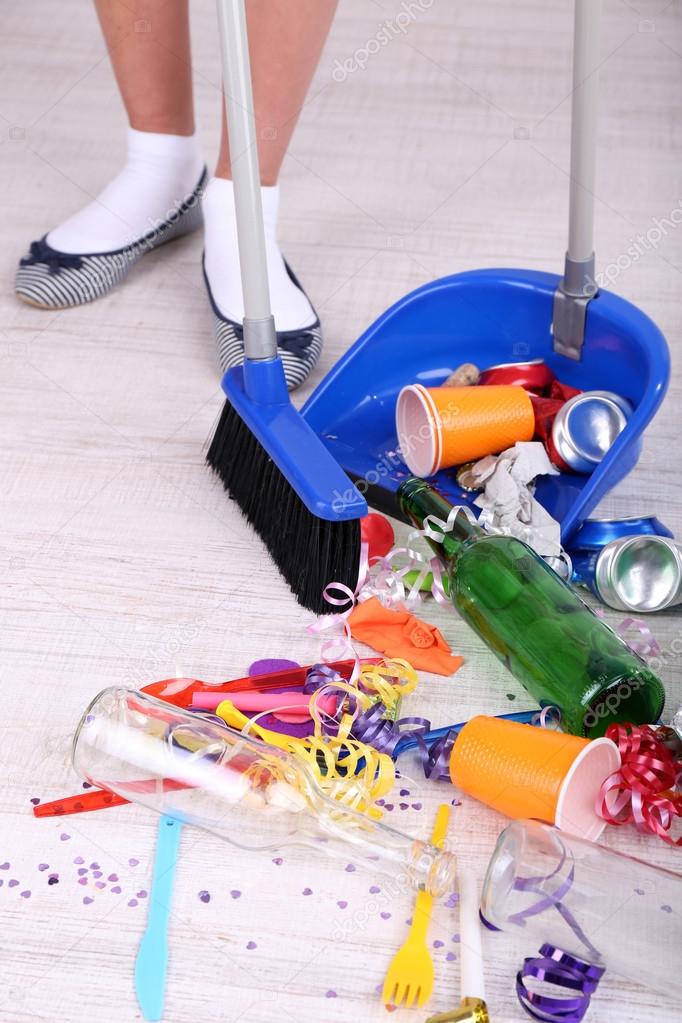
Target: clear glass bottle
[(537, 625), (196, 769), (602, 906)]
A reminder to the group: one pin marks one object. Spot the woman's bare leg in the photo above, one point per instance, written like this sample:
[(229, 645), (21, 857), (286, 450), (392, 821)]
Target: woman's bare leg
[(286, 38)]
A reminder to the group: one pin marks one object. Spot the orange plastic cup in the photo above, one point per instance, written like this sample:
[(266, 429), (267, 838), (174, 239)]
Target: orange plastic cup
[(525, 772), (439, 427)]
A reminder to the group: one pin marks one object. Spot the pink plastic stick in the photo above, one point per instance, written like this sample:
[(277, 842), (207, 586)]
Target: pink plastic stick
[(294, 704)]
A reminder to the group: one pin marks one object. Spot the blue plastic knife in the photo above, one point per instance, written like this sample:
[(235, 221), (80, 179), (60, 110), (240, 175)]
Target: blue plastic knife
[(152, 955)]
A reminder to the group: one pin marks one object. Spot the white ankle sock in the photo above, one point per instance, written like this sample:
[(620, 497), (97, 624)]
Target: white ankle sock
[(160, 173), (290, 307)]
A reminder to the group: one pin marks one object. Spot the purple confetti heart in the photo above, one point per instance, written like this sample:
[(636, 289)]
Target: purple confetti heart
[(13, 883), (142, 894), (235, 893), (451, 957), (94, 866), (639, 891), (456, 938), (43, 866), (251, 945), (375, 889), (26, 894), (455, 802), (79, 859), (4, 866), (132, 862), (331, 994), (112, 877), (452, 901), (82, 880), (97, 873), (116, 890), (350, 867), (342, 904), (385, 915), (82, 871), (205, 896), (416, 806), (404, 806), (100, 884), (132, 903), (381, 802), (438, 944), (389, 807), (667, 909), (64, 837), (53, 879), (409, 921), (35, 800), (307, 891), (404, 792), (87, 900), (278, 861)]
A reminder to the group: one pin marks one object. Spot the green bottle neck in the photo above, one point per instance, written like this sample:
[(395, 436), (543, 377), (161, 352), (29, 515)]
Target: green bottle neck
[(418, 500)]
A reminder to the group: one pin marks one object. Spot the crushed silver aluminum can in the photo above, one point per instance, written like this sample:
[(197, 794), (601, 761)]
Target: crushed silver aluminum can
[(639, 573), (586, 427)]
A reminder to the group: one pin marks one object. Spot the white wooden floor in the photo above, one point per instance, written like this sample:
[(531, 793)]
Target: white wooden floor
[(121, 560)]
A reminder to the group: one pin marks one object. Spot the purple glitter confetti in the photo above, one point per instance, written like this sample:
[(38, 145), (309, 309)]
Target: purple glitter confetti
[(438, 943), (97, 874), (100, 884), (26, 894), (385, 915), (116, 890), (455, 938), (205, 896), (13, 883), (278, 861), (43, 866), (451, 957), (132, 862), (235, 893), (350, 867), (132, 903), (82, 871), (82, 880), (87, 900), (307, 891), (452, 901), (404, 806), (389, 807), (79, 859), (4, 866), (375, 889), (404, 792), (416, 806), (64, 837), (251, 945), (342, 904), (112, 877), (142, 894), (94, 865), (331, 994)]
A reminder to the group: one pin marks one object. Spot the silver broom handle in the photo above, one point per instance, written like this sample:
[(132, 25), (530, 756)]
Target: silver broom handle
[(260, 338)]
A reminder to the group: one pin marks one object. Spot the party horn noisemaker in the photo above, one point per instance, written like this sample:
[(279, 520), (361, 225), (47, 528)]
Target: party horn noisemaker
[(526, 772)]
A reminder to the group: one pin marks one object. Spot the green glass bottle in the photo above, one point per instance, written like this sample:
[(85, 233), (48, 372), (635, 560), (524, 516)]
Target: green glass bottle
[(549, 638)]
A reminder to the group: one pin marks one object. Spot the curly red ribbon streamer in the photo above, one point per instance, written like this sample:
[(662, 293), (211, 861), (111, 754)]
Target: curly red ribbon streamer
[(642, 792)]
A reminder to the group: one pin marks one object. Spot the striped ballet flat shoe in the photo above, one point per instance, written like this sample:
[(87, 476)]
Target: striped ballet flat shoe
[(49, 279), (299, 350)]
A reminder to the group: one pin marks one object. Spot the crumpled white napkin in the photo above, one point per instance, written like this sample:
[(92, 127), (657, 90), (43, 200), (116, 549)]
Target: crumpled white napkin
[(508, 503)]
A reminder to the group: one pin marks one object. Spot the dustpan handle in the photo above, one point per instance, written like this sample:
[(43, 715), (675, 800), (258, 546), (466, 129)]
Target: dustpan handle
[(260, 338), (578, 284)]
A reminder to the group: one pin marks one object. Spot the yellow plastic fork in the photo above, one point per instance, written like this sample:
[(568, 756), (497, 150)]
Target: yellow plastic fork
[(409, 978)]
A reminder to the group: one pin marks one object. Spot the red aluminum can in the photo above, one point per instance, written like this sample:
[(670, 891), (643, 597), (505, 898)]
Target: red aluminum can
[(535, 376)]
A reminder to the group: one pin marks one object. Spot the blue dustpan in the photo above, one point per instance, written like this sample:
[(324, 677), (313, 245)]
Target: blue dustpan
[(486, 317), (592, 340)]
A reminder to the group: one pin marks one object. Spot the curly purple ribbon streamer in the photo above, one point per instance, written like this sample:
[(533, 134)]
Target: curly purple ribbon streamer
[(554, 966)]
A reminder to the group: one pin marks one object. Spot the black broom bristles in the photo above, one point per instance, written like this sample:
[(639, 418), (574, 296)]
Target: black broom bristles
[(309, 552)]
